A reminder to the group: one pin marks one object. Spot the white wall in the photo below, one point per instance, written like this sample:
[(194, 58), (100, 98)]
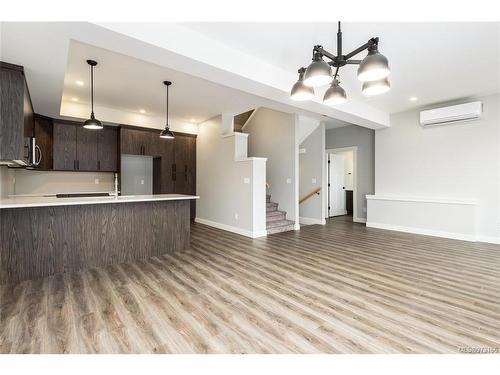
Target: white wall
[(231, 189), (311, 167), (364, 139), (459, 162), (272, 135), (24, 181)]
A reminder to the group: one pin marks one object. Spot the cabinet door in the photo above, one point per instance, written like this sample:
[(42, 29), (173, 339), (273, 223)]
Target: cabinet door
[(64, 147), (152, 143), (181, 151), (107, 150), (131, 141), (166, 148), (44, 134), (11, 115), (86, 148)]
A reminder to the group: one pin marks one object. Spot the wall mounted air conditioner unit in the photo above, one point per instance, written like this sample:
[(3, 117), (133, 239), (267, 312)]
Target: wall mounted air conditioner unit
[(451, 114)]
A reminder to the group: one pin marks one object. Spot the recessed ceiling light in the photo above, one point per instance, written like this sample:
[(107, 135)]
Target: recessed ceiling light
[(79, 83), (193, 120), (413, 99), (74, 99), (142, 110)]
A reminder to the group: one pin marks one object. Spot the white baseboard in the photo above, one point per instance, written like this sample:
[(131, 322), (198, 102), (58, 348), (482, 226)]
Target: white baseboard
[(230, 228), (426, 232), (488, 239), (311, 221), (296, 226), (359, 219)]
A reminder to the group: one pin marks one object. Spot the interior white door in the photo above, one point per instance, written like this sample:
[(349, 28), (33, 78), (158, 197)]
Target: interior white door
[(337, 191)]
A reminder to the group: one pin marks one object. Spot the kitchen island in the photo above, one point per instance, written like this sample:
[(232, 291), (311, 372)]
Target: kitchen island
[(42, 236)]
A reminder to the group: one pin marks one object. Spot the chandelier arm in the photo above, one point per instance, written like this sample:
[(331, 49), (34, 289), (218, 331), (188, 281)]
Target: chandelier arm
[(353, 62), (336, 72), (370, 43)]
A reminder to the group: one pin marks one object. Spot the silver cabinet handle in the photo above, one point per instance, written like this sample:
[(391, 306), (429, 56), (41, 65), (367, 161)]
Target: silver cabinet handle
[(37, 149)]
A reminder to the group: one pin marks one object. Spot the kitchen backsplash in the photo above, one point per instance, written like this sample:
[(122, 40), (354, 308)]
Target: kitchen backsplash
[(22, 181)]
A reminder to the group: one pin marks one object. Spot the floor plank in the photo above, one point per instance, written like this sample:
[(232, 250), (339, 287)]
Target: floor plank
[(337, 288)]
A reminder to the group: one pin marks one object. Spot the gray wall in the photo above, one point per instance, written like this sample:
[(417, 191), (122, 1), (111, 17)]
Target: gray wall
[(364, 139), (272, 136), (459, 161), (311, 164)]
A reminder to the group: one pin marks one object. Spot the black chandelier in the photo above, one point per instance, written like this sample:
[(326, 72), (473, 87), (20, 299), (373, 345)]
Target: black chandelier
[(373, 71)]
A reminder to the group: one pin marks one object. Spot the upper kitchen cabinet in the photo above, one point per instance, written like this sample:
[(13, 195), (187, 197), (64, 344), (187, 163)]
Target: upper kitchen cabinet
[(64, 147), (80, 149), (86, 149), (107, 149), (44, 134), (139, 142), (16, 110)]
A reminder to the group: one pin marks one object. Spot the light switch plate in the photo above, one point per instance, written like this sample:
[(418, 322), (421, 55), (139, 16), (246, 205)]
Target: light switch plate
[(236, 216), (96, 181), (313, 181), (288, 180), (246, 180), (142, 182)]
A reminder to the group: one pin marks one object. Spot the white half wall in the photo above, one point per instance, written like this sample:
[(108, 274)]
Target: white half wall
[(311, 172), (231, 190), (434, 217), (456, 162)]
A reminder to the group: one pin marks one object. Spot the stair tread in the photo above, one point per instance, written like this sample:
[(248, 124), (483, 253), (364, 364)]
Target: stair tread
[(275, 213), (279, 223)]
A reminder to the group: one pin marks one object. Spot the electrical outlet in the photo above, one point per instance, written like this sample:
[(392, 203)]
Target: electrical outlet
[(235, 216), (96, 181), (313, 180), (288, 180), (246, 180), (142, 182)]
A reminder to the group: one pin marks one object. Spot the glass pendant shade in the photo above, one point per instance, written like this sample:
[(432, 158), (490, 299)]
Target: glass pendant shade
[(318, 73), (373, 67), (376, 87), (335, 94), (300, 91), (92, 123), (167, 134)]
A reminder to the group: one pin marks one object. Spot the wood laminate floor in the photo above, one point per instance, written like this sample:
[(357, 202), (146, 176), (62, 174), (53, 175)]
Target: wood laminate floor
[(338, 288)]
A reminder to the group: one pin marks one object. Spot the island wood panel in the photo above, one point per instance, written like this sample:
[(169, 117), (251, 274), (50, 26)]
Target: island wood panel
[(42, 241)]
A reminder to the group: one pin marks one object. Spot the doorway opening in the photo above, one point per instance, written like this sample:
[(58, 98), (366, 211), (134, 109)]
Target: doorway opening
[(341, 199)]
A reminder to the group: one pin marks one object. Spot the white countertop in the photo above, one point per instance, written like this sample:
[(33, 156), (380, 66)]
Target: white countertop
[(20, 202)]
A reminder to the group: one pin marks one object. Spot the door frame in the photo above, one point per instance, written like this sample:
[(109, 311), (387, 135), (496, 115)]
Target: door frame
[(354, 150)]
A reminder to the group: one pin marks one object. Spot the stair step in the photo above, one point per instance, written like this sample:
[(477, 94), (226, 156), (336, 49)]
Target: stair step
[(275, 216), (280, 226), (268, 198), (271, 206), (278, 223)]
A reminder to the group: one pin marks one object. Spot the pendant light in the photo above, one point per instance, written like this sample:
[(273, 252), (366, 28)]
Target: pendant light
[(376, 87), (92, 122), (166, 133), (299, 90), (374, 66), (318, 73), (335, 94)]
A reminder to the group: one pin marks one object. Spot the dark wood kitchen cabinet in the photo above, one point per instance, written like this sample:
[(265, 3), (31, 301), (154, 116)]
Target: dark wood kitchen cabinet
[(185, 167), (44, 135), (80, 149), (64, 147), (16, 112), (140, 142), (107, 150), (86, 149)]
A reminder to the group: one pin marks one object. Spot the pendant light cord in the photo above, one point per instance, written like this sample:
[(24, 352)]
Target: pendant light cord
[(167, 107), (92, 89)]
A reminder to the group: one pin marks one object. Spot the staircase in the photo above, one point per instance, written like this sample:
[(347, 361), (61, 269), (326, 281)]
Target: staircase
[(276, 221)]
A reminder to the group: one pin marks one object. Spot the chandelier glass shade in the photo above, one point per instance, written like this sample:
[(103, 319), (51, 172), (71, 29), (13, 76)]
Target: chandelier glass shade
[(300, 91)]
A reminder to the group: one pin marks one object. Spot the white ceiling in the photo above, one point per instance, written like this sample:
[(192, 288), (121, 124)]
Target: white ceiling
[(434, 62), (127, 84)]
